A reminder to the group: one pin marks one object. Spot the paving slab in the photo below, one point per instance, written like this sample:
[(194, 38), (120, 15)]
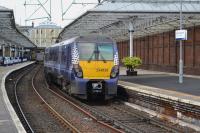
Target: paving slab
[(164, 85)]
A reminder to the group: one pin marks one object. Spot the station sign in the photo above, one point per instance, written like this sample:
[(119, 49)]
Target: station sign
[(27, 50), (181, 34)]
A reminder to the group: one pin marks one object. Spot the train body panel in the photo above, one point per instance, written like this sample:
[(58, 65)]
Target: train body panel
[(40, 56), (84, 66), (96, 69)]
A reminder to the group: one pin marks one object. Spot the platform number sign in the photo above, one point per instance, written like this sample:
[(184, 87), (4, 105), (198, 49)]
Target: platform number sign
[(181, 35)]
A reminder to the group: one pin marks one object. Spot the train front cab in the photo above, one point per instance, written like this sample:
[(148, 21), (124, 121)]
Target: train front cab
[(96, 73)]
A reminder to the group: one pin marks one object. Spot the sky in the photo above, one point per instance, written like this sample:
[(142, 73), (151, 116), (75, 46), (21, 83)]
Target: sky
[(22, 12)]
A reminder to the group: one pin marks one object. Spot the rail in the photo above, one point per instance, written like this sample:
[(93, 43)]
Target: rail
[(28, 127), (54, 112)]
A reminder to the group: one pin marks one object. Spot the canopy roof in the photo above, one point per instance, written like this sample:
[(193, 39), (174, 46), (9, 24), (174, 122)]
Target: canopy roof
[(8, 31), (147, 17)]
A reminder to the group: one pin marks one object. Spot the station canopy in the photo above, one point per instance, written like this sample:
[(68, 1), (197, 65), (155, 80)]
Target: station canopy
[(145, 17), (9, 34)]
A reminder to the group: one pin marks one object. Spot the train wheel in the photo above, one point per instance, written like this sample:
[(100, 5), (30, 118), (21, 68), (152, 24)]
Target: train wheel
[(66, 87), (48, 78), (63, 85), (89, 95), (69, 89)]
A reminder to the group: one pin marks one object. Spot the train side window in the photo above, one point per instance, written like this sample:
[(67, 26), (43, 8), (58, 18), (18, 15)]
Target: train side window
[(68, 56), (53, 56), (56, 54), (46, 56), (63, 55), (50, 54)]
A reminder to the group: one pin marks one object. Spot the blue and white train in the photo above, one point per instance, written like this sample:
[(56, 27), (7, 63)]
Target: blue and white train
[(85, 66)]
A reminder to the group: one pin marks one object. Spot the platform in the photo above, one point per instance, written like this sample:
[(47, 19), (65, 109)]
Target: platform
[(9, 122), (163, 85)]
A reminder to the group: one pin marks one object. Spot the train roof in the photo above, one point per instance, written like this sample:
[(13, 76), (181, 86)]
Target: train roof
[(88, 38), (65, 42)]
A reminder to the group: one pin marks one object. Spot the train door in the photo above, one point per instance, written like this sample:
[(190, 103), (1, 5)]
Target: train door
[(63, 58), (68, 54)]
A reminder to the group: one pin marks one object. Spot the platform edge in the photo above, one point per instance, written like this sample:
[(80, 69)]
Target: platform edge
[(7, 103)]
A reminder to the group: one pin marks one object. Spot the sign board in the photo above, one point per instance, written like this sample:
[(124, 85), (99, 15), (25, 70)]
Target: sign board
[(181, 34), (27, 50)]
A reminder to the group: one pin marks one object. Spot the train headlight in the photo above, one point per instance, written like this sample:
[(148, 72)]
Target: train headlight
[(78, 71), (79, 74), (115, 72)]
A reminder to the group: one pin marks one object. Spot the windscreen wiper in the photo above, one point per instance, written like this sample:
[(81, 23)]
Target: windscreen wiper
[(89, 60), (102, 57), (99, 53)]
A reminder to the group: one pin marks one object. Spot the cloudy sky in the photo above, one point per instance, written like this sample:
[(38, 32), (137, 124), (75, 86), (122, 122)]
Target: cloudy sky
[(21, 13)]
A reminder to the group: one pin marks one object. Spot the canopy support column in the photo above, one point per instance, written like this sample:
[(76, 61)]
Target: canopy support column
[(131, 38), (15, 50), (18, 53), (3, 50), (10, 50), (181, 48), (22, 51)]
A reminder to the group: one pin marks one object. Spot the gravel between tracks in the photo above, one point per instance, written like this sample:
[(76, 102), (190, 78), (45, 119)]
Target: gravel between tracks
[(33, 108), (41, 121), (121, 113), (78, 119), (128, 116)]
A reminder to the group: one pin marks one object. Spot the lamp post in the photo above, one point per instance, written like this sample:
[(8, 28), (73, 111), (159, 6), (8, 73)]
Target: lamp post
[(181, 48)]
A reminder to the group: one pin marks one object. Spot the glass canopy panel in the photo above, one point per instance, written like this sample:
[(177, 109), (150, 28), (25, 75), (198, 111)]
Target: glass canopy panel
[(148, 17)]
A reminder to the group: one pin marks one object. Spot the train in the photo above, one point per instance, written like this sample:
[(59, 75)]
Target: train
[(40, 56), (84, 66), (6, 61)]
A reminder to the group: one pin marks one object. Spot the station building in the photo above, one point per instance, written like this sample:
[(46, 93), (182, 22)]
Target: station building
[(145, 29), (12, 42), (45, 34)]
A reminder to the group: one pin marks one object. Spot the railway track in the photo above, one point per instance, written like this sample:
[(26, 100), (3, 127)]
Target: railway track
[(15, 101), (119, 116), (77, 116), (187, 113), (29, 108), (162, 102), (24, 121), (79, 119), (167, 104), (56, 114), (100, 113)]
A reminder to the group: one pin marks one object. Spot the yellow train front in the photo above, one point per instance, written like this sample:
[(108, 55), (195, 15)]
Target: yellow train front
[(93, 67)]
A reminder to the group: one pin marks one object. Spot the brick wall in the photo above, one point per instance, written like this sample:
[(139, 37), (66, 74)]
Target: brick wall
[(161, 52)]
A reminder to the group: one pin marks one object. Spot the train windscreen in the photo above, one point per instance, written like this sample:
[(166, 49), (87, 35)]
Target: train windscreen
[(93, 51)]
